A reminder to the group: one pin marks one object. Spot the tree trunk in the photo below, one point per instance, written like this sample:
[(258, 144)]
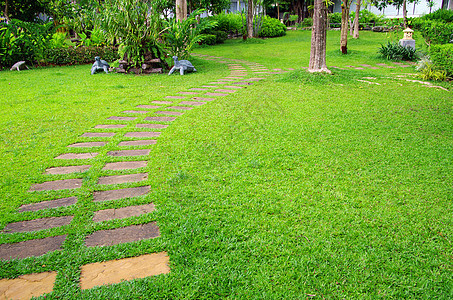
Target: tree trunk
[(181, 10), (6, 11), (356, 20), (250, 19), (344, 26), (404, 14), (318, 38)]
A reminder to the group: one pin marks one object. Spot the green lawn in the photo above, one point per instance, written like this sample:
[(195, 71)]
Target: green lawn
[(298, 187)]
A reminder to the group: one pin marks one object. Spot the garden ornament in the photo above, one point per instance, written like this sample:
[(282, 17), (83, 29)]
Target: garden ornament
[(182, 65), (99, 65), (17, 65)]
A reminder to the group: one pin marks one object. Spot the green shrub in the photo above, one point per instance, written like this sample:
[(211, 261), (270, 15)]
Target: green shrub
[(210, 39), (367, 17), (335, 17), (394, 51), (79, 55), (428, 71), (271, 27), (435, 32), (443, 15), (307, 22), (228, 22), (442, 58)]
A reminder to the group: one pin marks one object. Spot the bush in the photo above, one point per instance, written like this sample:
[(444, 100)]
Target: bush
[(271, 27), (335, 17), (436, 32), (210, 39), (442, 58), (79, 55), (442, 15), (367, 17), (394, 51), (307, 22), (428, 71)]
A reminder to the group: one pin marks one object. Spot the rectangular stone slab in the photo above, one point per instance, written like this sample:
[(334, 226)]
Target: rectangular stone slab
[(125, 165), (167, 112), (118, 179), (121, 193), (87, 145), (135, 112), (226, 91), (154, 126), (128, 152), (148, 106), (243, 83), (27, 286), (162, 102), (116, 271), (122, 118), (180, 107), (123, 235), (31, 247), (137, 143), (67, 170), (88, 155), (48, 204), (110, 126), (121, 213), (37, 224), (57, 185), (160, 119), (234, 87), (203, 99), (142, 134), (195, 103), (98, 134)]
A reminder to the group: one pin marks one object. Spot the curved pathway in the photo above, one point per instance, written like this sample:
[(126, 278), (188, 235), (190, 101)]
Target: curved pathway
[(152, 120)]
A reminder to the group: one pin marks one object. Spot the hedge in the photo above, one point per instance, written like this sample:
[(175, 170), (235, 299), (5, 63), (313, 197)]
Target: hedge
[(272, 27), (79, 55), (442, 57)]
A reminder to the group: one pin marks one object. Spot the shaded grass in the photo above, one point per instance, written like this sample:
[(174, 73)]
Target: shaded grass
[(299, 186)]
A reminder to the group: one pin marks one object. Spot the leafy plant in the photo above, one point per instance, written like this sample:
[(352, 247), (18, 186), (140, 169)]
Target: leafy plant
[(442, 57), (428, 70), (135, 24), (59, 40), (181, 36), (272, 27), (436, 32), (394, 51)]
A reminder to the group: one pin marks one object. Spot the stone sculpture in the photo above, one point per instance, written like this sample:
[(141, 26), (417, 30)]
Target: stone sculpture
[(182, 65), (18, 65), (99, 65)]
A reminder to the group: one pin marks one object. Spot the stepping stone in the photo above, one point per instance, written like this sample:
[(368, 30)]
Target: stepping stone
[(162, 102), (180, 107), (57, 185), (48, 204), (216, 94), (31, 247), (119, 194), (116, 271), (98, 134), (243, 83), (374, 68), (118, 179), (37, 224), (226, 91), (27, 286), (365, 65), (175, 97), (88, 155), (167, 112), (359, 68), (210, 86), (129, 152), (125, 165), (122, 118), (234, 87), (219, 82), (87, 145), (254, 79), (153, 126), (227, 79), (135, 112), (382, 65), (203, 99), (67, 170), (137, 143), (123, 235), (350, 66), (148, 106), (195, 103), (160, 119), (234, 77), (121, 213), (142, 134), (110, 126), (198, 89)]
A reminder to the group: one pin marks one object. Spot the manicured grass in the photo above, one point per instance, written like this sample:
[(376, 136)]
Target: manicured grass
[(300, 186)]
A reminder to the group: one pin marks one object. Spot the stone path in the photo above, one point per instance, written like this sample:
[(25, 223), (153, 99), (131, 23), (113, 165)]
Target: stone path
[(140, 132)]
